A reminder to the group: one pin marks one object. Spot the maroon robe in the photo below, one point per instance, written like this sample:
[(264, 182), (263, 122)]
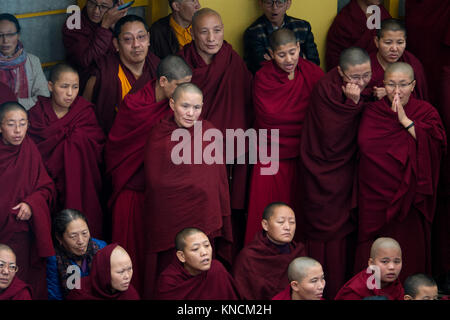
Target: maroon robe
[(24, 179), (280, 104), (124, 157), (17, 290), (398, 178), (71, 148), (107, 94), (181, 196), (349, 29), (284, 295), (357, 289), (85, 46), (260, 269), (97, 285), (175, 283), (6, 94)]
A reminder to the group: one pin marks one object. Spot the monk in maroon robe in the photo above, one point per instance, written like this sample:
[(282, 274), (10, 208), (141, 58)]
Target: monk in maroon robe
[(93, 40), (260, 269), (195, 275), (118, 73), (124, 156), (349, 29), (401, 141), (282, 90), (67, 134), (6, 94), (381, 277), (109, 279), (26, 191), (181, 189), (11, 287), (328, 165)]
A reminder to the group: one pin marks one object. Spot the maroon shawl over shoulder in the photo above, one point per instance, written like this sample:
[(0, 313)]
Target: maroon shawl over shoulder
[(6, 94), (175, 283), (97, 285), (71, 148), (260, 270), (17, 290), (107, 94), (349, 29)]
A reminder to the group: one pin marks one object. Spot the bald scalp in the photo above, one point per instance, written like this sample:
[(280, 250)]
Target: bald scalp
[(282, 37), (202, 13), (119, 252), (186, 87), (383, 243), (269, 210), (59, 69), (4, 247), (391, 25), (299, 267), (353, 56), (399, 67), (173, 68), (414, 282), (180, 238)]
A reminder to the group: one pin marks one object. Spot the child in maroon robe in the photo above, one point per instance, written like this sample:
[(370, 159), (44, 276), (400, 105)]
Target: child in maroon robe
[(11, 287), (420, 287)]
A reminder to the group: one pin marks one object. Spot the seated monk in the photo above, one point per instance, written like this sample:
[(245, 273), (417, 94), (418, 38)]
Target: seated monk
[(281, 94), (349, 29), (328, 155), (124, 155), (118, 73), (260, 269), (195, 275), (11, 287), (110, 277), (306, 280), (391, 43), (182, 192), (6, 94), (67, 134), (26, 192), (420, 287), (401, 141), (93, 40), (386, 263)]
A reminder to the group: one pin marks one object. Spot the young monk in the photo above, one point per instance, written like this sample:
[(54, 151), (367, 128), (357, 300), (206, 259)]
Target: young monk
[(381, 278), (306, 280), (391, 43), (67, 134), (195, 275), (349, 29), (260, 269), (26, 192), (181, 193), (401, 141), (124, 155), (11, 287), (282, 90), (328, 165), (127, 69), (420, 287)]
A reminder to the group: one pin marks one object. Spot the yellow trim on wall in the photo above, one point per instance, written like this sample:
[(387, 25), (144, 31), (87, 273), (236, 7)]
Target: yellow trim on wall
[(40, 14)]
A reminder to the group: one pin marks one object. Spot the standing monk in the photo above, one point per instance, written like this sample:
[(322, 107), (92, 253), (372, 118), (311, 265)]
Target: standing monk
[(401, 141), (282, 90), (328, 164), (26, 191)]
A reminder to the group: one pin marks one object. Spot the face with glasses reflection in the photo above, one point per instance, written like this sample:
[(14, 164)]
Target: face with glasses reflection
[(13, 127), (399, 83), (9, 38), (359, 74), (132, 43), (274, 10), (8, 268), (97, 8)]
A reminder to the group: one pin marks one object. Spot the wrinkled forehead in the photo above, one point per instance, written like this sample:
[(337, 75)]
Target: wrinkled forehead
[(208, 19), (7, 256)]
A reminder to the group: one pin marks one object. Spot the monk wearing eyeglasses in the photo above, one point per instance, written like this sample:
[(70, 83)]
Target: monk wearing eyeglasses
[(11, 287)]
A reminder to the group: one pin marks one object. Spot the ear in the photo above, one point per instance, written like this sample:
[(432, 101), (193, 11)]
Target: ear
[(340, 71), (413, 85), (377, 42), (172, 104), (163, 81), (180, 256), (272, 55), (116, 44), (288, 4), (176, 6), (50, 86), (295, 286), (370, 262), (265, 224)]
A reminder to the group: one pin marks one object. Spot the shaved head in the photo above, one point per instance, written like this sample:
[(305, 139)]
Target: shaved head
[(400, 67), (201, 13), (11, 106), (60, 68), (4, 247), (383, 243), (118, 252), (186, 87), (180, 242), (173, 68), (281, 37), (414, 282), (353, 56), (270, 209), (390, 25), (299, 267)]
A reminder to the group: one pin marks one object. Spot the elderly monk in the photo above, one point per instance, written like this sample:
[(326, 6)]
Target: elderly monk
[(420, 287), (67, 134), (124, 155), (171, 33), (391, 43), (11, 287), (119, 73), (306, 280), (349, 29), (226, 84), (381, 277), (26, 193), (6, 94), (260, 269), (181, 191), (401, 141), (328, 165), (282, 90), (93, 40), (195, 275)]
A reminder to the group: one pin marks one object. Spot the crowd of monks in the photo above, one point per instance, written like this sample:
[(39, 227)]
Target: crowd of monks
[(362, 180)]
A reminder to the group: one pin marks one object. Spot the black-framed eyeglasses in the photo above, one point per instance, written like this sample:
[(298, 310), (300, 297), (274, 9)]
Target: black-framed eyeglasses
[(11, 267), (94, 5), (8, 35), (129, 39), (392, 86), (365, 77), (270, 3)]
